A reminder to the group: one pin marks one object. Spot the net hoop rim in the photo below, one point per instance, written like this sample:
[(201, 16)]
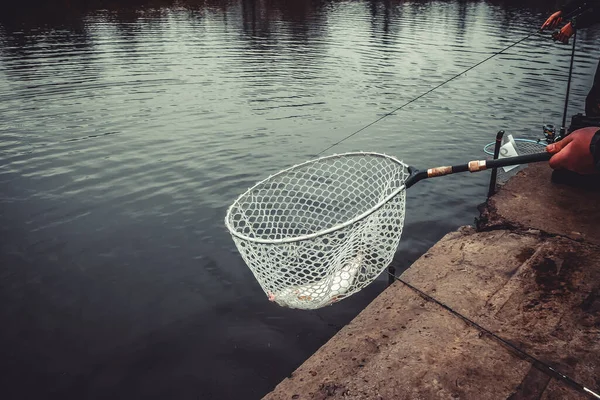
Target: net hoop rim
[(322, 232)]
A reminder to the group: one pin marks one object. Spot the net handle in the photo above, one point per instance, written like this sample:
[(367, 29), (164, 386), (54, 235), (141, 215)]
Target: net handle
[(474, 166)]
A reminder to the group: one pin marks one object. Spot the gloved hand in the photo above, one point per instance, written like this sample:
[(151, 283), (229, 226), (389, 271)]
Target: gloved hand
[(552, 21), (565, 33), (573, 152)]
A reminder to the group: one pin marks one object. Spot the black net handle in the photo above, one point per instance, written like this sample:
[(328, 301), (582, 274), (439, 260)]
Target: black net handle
[(474, 166)]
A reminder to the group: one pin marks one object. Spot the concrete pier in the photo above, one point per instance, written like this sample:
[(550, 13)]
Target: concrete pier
[(529, 272)]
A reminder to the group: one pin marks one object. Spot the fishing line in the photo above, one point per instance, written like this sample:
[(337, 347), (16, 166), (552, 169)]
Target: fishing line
[(540, 365), (564, 120), (429, 91)]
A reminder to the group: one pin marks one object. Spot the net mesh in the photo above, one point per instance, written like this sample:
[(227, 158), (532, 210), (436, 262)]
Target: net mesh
[(320, 231), (523, 147), (530, 147)]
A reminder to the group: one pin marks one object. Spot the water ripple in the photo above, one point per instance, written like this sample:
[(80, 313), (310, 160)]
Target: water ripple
[(126, 133)]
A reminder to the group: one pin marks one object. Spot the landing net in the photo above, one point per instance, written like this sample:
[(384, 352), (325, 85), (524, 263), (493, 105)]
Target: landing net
[(322, 230)]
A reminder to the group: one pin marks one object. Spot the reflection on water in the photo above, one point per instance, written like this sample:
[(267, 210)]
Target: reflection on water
[(127, 130)]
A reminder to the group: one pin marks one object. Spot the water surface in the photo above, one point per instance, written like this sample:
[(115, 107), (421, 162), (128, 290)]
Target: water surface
[(127, 130)]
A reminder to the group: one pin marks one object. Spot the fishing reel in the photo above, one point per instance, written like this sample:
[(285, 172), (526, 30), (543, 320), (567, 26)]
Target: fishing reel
[(549, 133), (578, 121)]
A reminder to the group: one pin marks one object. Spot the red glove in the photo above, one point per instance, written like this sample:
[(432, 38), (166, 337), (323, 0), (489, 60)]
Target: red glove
[(552, 21), (565, 33)]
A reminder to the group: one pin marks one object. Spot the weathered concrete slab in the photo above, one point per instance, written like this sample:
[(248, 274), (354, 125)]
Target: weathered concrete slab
[(558, 391), (540, 293), (530, 274), (403, 347), (531, 200)]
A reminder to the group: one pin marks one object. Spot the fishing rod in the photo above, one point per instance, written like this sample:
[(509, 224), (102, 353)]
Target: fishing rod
[(538, 364), (564, 120), (430, 90), (549, 131), (572, 17)]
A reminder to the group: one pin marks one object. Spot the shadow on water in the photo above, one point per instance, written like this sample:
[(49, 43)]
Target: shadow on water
[(130, 126)]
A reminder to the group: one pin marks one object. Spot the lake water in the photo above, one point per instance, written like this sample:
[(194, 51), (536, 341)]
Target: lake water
[(127, 130)]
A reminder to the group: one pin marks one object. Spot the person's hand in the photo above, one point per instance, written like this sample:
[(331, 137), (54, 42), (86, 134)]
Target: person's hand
[(565, 33), (573, 152), (552, 21)]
